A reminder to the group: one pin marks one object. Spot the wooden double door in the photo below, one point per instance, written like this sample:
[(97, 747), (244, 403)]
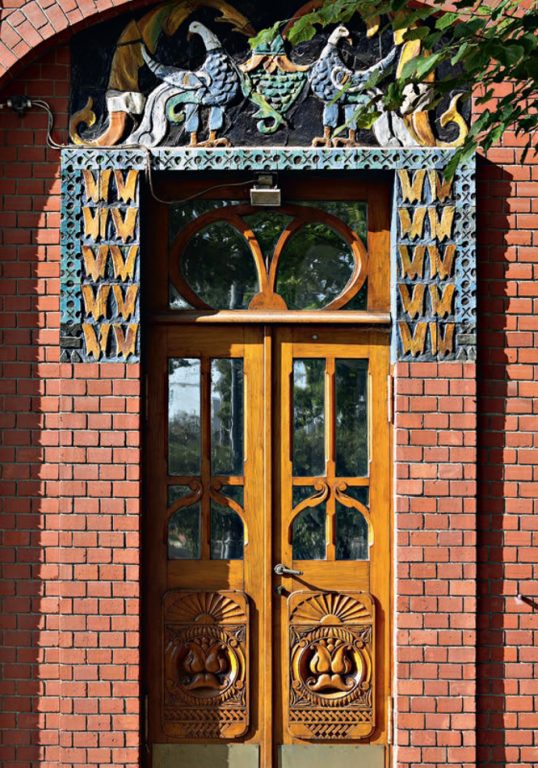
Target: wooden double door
[(267, 538)]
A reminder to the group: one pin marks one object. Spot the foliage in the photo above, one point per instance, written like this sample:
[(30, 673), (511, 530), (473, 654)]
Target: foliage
[(478, 44)]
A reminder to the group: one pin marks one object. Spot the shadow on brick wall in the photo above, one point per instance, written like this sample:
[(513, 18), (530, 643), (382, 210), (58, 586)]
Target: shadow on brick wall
[(495, 245), (29, 435)]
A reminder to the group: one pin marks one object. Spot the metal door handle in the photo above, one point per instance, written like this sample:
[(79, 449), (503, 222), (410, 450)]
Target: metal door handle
[(282, 570)]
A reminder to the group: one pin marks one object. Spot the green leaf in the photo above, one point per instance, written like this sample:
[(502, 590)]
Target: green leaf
[(461, 53), (425, 65), (468, 28), (404, 21), (496, 133), (302, 30), (418, 33), (446, 20), (509, 54), (499, 10), (265, 37)]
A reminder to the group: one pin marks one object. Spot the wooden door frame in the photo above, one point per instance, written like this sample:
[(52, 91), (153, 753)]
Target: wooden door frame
[(380, 587), (377, 192)]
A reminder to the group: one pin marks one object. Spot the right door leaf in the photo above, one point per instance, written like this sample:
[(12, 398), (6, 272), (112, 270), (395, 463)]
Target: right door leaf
[(331, 665)]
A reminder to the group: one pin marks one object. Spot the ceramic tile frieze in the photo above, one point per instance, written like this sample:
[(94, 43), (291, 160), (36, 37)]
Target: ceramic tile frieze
[(100, 263), (185, 74), (435, 296), (433, 257)]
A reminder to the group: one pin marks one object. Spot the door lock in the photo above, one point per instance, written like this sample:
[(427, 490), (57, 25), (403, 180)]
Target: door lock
[(282, 570)]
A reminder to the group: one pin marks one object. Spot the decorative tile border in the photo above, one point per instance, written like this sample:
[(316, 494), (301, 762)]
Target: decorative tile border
[(433, 265)]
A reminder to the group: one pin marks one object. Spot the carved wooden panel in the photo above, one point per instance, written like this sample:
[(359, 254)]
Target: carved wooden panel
[(205, 686), (331, 665)]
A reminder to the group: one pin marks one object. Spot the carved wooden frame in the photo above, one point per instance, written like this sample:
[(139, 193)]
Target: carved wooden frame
[(205, 685), (331, 665)]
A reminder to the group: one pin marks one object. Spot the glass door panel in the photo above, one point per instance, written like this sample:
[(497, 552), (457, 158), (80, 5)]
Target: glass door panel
[(331, 534), (206, 435), (205, 567)]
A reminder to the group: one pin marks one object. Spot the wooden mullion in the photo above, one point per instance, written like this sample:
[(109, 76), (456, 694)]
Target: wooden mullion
[(206, 458), (330, 455), (182, 479), (379, 206), (266, 641), (350, 481), (227, 480), (274, 316)]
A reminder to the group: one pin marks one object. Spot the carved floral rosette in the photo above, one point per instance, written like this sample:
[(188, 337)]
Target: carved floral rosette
[(331, 665), (205, 653)]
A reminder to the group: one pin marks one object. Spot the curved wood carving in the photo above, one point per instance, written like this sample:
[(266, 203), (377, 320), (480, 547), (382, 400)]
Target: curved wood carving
[(331, 665), (185, 501), (322, 489), (226, 501), (205, 653), (267, 297), (418, 122), (351, 503), (113, 133)]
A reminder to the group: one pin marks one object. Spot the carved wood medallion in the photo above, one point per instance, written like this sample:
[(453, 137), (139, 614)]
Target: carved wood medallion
[(205, 686), (331, 665)]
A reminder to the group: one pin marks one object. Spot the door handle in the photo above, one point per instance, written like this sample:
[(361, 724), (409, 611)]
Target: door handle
[(282, 570)]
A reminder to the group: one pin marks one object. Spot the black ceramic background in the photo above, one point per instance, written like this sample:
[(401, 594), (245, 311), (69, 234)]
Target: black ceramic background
[(93, 50)]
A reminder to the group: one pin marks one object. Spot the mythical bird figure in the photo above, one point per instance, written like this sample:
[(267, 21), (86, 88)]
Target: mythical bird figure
[(338, 86), (184, 92)]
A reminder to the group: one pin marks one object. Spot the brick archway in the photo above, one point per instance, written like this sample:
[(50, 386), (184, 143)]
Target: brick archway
[(27, 27)]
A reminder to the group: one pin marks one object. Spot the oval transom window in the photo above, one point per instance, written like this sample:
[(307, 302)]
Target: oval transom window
[(300, 256)]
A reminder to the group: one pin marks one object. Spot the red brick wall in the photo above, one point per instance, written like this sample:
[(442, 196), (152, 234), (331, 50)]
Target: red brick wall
[(508, 458), (69, 485), (69, 491), (435, 515)]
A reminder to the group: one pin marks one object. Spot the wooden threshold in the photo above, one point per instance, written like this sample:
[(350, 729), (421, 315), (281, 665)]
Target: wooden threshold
[(304, 317)]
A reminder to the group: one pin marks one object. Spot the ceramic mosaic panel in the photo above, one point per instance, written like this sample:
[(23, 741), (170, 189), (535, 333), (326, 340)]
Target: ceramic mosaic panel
[(100, 280), (184, 74), (435, 293), (433, 269)]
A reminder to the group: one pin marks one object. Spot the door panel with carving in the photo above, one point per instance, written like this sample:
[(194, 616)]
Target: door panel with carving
[(332, 534), (203, 534)]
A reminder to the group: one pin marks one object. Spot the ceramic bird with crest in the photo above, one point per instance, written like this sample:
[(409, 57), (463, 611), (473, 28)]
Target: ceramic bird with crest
[(341, 88)]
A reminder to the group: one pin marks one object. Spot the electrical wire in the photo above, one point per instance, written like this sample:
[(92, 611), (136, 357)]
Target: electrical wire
[(51, 142), (40, 104), (185, 200)]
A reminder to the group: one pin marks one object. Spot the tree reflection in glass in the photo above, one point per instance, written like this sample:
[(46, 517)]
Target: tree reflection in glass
[(227, 533), (184, 416), (308, 417), (353, 213), (184, 534), (351, 418), (219, 267), (308, 528), (268, 226), (227, 419), (315, 266), (351, 534), (181, 215), (177, 492)]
